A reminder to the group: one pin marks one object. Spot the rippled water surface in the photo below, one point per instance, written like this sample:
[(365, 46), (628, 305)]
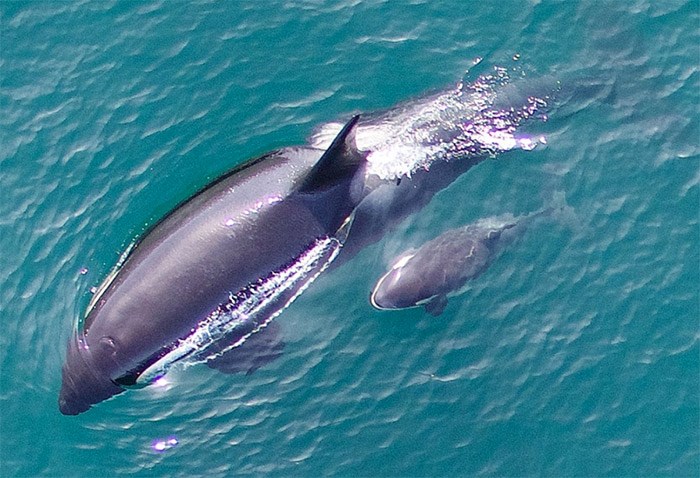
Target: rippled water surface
[(576, 353)]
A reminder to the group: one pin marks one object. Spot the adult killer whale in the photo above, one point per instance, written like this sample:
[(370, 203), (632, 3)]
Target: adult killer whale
[(442, 266), (227, 261), (222, 264)]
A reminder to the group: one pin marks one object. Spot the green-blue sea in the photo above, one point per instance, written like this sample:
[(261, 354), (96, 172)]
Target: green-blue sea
[(577, 353)]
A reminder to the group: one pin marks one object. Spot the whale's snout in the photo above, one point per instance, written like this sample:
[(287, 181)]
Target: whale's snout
[(69, 400), (391, 292), (83, 383)]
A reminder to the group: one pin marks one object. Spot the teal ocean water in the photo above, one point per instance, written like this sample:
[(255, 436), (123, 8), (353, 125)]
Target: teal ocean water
[(577, 353)]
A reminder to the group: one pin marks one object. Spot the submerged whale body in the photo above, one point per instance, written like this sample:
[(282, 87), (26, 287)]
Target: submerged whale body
[(223, 264), (441, 267)]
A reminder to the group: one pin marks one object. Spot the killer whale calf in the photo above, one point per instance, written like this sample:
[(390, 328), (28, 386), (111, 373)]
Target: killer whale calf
[(441, 267), (223, 264)]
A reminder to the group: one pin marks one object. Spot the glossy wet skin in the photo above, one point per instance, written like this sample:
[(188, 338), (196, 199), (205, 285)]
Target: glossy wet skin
[(439, 267), (250, 222), (172, 276)]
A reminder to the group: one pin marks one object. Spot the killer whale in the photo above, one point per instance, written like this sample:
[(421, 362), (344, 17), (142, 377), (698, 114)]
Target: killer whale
[(441, 267), (223, 264)]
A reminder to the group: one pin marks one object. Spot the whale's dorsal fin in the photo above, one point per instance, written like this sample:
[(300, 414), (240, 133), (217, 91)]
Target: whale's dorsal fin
[(340, 161)]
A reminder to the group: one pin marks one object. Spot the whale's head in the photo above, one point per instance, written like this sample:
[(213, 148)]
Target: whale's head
[(403, 286), (87, 373)]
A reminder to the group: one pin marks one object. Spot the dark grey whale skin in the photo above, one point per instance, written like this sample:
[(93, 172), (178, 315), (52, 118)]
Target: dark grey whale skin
[(443, 265), (440, 266), (263, 214), (251, 221)]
